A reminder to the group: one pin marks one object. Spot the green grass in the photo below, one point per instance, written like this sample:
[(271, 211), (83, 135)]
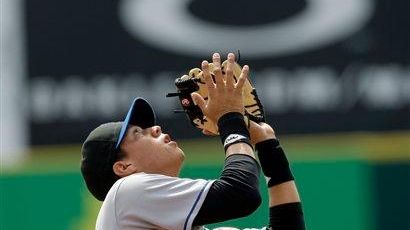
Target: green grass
[(390, 146)]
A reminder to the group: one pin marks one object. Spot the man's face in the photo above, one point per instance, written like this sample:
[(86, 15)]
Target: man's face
[(151, 151)]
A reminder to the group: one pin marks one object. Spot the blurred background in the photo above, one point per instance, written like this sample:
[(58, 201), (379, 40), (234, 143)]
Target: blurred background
[(334, 77)]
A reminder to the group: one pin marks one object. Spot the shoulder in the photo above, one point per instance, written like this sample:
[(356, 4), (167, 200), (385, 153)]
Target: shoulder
[(146, 197), (139, 183)]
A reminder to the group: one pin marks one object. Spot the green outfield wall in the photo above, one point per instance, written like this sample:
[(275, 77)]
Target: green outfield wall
[(339, 192)]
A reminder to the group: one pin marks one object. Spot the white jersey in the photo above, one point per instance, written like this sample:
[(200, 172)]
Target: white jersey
[(152, 201)]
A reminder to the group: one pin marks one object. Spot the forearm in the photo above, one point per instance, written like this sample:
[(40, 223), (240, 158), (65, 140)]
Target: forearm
[(283, 193), (240, 148), (235, 194), (282, 188), (274, 162), (284, 201)]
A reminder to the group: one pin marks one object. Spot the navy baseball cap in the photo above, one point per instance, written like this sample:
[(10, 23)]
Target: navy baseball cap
[(140, 114), (100, 149)]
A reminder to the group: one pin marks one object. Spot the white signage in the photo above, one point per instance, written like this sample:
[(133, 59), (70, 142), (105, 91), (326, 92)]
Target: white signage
[(168, 24)]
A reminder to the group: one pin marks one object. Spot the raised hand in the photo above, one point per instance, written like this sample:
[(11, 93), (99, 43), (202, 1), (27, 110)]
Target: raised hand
[(225, 95)]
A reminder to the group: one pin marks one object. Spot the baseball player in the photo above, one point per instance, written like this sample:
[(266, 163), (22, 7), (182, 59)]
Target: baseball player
[(133, 167)]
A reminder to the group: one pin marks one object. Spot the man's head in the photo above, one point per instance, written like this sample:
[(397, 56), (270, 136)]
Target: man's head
[(118, 149)]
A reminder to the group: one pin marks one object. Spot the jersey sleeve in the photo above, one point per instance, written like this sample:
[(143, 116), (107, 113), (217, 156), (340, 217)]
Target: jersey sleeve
[(231, 228), (156, 201)]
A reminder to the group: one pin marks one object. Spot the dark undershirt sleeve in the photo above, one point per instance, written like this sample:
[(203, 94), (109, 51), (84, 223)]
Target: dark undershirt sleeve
[(235, 194)]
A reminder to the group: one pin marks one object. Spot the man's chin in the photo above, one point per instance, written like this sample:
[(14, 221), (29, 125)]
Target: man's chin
[(182, 154)]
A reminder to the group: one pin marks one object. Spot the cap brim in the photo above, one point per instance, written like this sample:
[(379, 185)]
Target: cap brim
[(140, 114)]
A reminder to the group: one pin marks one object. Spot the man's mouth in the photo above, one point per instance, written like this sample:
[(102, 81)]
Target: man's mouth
[(168, 140)]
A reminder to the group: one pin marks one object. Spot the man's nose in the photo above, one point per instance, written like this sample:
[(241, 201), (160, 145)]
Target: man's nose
[(156, 130)]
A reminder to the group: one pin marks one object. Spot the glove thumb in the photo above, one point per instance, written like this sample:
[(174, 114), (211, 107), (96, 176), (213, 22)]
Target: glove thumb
[(198, 100)]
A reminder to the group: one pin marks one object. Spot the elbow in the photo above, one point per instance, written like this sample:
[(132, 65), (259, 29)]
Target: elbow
[(251, 200)]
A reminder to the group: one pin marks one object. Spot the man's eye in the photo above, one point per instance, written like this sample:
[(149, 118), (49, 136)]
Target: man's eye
[(138, 130)]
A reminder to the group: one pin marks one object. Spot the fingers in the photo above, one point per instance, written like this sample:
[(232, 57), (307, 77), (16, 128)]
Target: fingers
[(219, 78), (216, 60), (229, 70), (243, 77), (198, 100), (208, 133), (207, 76)]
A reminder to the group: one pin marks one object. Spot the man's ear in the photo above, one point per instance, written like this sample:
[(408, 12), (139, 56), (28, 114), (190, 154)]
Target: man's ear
[(123, 168)]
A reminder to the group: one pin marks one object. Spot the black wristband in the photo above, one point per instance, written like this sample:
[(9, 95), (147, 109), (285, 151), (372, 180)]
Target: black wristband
[(273, 161), (287, 216), (232, 129)]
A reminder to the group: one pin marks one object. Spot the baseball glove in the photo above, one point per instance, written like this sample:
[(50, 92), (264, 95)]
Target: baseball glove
[(195, 82)]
